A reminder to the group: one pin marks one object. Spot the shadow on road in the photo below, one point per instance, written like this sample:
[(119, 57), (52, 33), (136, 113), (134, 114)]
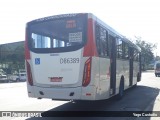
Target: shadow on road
[(135, 99)]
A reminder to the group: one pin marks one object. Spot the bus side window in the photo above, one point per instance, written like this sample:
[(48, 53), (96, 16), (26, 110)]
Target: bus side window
[(125, 51), (102, 41), (136, 55), (119, 48), (107, 45), (98, 38)]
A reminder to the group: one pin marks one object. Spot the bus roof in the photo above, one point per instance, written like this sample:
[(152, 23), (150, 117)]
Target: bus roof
[(90, 15), (117, 34)]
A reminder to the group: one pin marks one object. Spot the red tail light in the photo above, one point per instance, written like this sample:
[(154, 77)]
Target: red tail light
[(87, 72), (29, 74), (27, 53)]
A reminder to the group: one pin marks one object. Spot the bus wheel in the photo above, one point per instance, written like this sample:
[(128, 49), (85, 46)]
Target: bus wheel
[(121, 89)]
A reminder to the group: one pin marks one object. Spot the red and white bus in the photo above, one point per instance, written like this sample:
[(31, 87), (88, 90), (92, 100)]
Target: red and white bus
[(78, 57)]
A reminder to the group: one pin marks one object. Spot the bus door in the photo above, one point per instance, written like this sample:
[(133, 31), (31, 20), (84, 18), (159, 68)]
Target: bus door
[(131, 52), (113, 50)]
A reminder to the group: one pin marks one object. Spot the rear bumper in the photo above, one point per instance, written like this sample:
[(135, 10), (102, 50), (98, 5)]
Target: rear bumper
[(57, 93), (62, 93)]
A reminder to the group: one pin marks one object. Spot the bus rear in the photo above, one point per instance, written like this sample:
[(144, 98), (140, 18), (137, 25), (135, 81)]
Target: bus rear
[(57, 65)]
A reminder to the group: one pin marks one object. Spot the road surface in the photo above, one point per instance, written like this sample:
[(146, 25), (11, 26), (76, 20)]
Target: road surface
[(144, 97)]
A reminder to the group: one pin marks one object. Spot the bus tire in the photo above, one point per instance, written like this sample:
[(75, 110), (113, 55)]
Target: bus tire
[(121, 89)]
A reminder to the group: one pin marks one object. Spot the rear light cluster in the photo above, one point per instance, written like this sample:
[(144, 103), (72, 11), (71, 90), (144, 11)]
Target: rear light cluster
[(29, 74), (87, 73)]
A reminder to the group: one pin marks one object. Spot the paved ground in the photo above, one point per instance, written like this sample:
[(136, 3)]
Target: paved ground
[(13, 97)]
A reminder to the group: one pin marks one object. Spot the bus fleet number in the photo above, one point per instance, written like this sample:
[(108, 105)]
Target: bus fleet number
[(69, 60)]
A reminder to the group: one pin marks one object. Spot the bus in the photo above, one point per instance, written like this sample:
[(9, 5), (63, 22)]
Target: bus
[(78, 57)]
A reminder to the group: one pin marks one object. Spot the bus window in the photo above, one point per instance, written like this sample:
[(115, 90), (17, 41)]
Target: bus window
[(102, 41), (60, 35), (40, 41), (125, 51), (58, 43), (119, 48), (136, 55), (98, 39)]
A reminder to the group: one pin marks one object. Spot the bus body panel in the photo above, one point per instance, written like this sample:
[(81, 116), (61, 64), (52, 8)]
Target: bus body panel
[(104, 79), (119, 73), (63, 93), (61, 68), (135, 72), (88, 93), (122, 70), (30, 89), (126, 73)]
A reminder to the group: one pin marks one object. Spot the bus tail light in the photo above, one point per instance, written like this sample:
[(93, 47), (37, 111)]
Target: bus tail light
[(29, 74), (87, 73)]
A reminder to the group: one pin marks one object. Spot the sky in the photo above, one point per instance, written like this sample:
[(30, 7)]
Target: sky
[(130, 18)]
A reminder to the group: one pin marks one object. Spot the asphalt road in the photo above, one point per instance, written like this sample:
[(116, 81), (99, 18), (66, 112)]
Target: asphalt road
[(143, 97)]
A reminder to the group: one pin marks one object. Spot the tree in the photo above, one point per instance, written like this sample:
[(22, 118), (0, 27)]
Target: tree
[(146, 51), (12, 56)]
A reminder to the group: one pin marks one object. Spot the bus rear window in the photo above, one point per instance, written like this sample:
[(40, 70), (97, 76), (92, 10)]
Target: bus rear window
[(41, 41), (58, 33)]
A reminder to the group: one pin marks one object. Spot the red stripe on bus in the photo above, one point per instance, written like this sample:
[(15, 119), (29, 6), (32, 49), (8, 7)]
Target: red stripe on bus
[(90, 47), (27, 53)]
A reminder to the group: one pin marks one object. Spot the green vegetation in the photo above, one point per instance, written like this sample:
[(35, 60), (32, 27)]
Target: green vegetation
[(146, 52), (12, 57)]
